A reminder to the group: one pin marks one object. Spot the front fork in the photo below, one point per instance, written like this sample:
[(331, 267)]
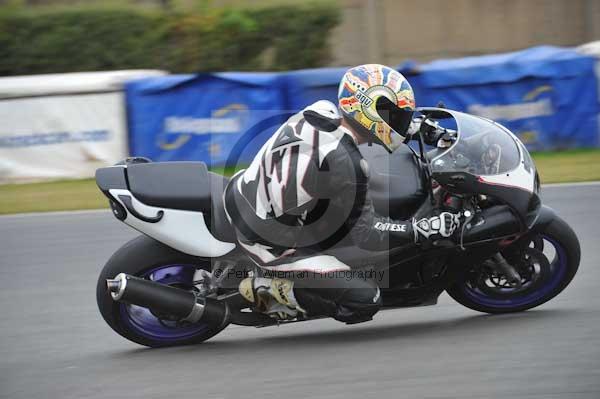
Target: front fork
[(497, 263)]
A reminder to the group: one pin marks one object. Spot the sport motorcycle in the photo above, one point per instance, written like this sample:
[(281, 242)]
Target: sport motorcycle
[(177, 283)]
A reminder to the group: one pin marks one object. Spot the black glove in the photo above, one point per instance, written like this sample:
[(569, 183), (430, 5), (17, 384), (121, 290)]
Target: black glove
[(431, 131)]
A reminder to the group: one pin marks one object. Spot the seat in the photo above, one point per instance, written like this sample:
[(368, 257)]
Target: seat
[(397, 182), (174, 185), (185, 186)]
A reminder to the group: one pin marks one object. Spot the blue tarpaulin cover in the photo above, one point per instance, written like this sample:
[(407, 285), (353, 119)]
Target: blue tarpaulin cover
[(307, 86), (208, 117), (537, 62), (546, 95)]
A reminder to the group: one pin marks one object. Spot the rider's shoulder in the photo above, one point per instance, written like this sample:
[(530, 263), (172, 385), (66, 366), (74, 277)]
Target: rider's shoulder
[(323, 115), (325, 108)]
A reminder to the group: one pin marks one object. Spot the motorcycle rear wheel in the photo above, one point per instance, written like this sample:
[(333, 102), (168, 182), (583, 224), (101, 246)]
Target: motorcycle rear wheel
[(147, 258), (556, 275)]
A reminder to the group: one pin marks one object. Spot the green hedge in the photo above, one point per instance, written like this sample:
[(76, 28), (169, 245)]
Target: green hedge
[(104, 39)]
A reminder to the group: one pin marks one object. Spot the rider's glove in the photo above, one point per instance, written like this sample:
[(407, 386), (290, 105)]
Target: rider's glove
[(441, 226), (429, 128), (414, 127), (431, 131)]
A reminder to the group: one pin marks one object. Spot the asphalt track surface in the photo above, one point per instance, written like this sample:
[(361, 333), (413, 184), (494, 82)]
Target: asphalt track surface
[(54, 344)]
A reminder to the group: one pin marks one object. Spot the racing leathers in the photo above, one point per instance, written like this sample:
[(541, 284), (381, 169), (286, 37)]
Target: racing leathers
[(308, 185)]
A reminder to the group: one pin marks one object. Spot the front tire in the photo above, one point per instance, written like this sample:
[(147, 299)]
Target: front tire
[(148, 258), (557, 274)]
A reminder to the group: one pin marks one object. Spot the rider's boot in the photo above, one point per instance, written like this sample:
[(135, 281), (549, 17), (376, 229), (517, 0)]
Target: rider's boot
[(271, 296)]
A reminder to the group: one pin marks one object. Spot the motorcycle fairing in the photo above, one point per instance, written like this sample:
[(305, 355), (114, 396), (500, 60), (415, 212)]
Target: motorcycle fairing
[(509, 174)]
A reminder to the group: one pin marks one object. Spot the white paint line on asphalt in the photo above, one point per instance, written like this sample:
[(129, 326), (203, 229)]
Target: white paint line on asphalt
[(107, 211), (57, 213), (579, 184)]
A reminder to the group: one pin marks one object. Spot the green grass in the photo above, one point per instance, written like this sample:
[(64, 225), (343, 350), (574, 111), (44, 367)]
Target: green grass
[(568, 166), (52, 196), (554, 167)]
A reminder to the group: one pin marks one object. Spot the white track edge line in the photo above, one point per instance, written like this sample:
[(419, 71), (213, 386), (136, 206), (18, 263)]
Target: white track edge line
[(576, 184), (57, 213)]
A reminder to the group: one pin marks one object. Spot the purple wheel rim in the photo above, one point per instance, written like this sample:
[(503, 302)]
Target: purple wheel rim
[(144, 323), (558, 268)]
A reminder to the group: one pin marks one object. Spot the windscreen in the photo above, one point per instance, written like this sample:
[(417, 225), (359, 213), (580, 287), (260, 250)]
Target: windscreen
[(482, 148)]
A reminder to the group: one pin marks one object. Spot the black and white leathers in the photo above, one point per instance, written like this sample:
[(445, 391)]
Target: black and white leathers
[(306, 184)]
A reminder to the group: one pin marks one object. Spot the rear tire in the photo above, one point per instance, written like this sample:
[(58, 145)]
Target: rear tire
[(138, 257), (562, 235)]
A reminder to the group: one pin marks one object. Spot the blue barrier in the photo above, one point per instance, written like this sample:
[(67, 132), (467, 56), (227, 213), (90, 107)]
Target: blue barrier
[(221, 118), (306, 86), (548, 96), (203, 116)]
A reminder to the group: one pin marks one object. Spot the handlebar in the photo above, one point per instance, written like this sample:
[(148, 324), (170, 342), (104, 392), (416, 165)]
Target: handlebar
[(432, 133)]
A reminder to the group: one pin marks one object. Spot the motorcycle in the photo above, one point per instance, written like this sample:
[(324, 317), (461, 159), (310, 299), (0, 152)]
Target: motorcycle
[(177, 283)]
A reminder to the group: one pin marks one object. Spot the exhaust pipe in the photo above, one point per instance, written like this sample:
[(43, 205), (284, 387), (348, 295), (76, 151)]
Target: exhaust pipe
[(165, 299)]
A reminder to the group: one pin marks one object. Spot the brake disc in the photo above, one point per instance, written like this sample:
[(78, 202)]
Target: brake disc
[(533, 277)]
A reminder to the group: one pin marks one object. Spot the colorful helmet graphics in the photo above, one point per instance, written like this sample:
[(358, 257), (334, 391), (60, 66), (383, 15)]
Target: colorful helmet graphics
[(359, 90)]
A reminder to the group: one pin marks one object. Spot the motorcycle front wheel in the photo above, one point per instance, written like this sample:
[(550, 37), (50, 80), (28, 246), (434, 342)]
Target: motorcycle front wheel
[(147, 258), (547, 264)]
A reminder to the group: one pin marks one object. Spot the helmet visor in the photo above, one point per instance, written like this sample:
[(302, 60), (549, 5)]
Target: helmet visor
[(397, 118)]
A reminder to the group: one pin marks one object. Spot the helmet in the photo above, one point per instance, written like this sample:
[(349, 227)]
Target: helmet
[(377, 101)]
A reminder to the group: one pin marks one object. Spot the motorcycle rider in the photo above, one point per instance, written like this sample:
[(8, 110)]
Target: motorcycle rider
[(309, 185)]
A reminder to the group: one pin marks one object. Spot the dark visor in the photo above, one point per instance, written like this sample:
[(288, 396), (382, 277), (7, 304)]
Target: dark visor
[(397, 118)]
